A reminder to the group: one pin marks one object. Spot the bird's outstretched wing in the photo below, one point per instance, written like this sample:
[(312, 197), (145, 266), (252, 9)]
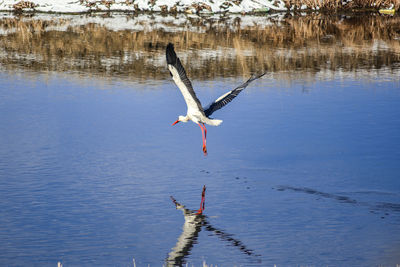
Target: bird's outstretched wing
[(182, 81), (229, 96)]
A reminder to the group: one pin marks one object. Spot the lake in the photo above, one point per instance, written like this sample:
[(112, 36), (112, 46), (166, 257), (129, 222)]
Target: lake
[(304, 170)]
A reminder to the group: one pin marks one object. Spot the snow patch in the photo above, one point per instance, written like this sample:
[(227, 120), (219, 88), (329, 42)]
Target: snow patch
[(188, 6)]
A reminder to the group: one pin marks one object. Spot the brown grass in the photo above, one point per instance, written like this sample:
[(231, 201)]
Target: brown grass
[(326, 5), (338, 5)]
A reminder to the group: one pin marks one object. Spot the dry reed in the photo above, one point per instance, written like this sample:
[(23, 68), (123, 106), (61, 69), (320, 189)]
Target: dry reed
[(307, 43), (339, 5)]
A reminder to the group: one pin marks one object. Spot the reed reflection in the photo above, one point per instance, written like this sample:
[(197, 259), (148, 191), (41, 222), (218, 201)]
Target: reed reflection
[(217, 47), (195, 221)]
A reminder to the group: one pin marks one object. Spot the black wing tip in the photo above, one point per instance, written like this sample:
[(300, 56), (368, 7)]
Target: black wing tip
[(171, 55), (262, 74), (255, 77)]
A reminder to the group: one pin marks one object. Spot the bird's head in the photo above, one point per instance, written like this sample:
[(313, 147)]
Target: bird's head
[(181, 119)]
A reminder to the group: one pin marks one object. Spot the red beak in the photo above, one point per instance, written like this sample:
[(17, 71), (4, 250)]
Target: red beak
[(175, 122)]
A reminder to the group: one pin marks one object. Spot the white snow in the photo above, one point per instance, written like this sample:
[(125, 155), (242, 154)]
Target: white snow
[(188, 6)]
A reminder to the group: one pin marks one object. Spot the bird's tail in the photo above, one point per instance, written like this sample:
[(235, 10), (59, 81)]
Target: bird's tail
[(214, 122)]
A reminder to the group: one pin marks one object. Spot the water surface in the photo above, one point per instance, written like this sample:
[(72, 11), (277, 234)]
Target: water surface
[(303, 170)]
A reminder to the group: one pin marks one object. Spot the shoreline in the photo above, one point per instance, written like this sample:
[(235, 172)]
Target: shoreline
[(205, 8), (159, 13)]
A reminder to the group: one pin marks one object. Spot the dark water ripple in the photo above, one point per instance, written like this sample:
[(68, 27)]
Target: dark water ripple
[(373, 206)]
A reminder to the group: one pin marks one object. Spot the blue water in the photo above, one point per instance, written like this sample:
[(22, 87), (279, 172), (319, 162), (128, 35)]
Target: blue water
[(299, 173)]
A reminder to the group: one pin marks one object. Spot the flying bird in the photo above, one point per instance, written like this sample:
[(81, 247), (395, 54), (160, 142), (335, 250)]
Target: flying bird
[(195, 111)]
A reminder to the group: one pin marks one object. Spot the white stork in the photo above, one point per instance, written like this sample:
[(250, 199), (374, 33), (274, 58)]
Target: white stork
[(195, 112)]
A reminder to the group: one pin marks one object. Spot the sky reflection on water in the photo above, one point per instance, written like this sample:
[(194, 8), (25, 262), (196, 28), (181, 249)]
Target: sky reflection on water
[(303, 170), (86, 174)]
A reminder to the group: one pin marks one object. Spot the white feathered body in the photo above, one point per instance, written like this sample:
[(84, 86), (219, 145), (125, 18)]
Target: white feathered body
[(195, 112)]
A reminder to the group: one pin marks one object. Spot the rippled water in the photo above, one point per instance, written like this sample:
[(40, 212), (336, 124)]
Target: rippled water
[(303, 171)]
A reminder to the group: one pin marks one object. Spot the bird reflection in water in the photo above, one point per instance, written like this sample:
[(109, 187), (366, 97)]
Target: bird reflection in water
[(195, 221)]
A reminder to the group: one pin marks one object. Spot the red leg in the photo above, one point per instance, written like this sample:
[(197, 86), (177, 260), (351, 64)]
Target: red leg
[(203, 134), (205, 139), (203, 201)]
